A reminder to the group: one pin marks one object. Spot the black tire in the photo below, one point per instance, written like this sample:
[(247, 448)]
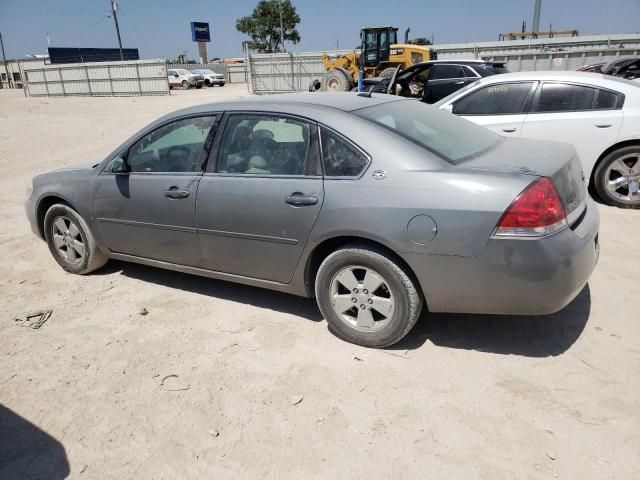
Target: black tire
[(405, 294), (337, 81), (198, 86), (387, 73), (186, 85), (602, 175), (93, 258), (208, 83), (222, 84)]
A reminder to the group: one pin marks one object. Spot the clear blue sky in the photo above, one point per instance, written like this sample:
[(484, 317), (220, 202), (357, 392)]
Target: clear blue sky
[(160, 28)]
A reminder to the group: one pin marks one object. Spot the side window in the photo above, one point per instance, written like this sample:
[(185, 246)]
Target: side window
[(175, 147), (264, 145), (441, 72), (561, 97), (497, 99), (469, 72), (340, 158), (608, 100)]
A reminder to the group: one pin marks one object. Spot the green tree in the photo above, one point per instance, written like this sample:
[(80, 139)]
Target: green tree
[(420, 41), (263, 26)]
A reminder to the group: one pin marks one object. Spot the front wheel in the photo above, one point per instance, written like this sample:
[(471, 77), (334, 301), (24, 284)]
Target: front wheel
[(366, 297), (186, 85), (617, 178), (70, 241)]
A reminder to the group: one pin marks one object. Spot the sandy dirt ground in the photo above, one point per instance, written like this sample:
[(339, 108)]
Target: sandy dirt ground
[(263, 390)]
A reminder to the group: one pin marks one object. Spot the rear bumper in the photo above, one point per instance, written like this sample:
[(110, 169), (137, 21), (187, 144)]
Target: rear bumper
[(513, 276)]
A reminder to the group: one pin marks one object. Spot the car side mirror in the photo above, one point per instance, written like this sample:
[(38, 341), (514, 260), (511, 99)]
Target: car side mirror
[(120, 166), (176, 75)]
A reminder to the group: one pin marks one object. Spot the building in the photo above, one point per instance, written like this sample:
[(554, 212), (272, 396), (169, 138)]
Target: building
[(11, 71)]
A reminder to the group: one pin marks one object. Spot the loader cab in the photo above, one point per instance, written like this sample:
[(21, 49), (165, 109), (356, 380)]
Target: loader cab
[(376, 45)]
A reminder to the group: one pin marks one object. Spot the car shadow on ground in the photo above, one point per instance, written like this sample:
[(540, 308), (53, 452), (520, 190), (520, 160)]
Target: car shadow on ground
[(26, 452), (235, 292), (531, 336)]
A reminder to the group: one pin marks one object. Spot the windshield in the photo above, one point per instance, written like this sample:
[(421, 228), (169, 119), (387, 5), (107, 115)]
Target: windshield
[(450, 137), (207, 72), (182, 71)]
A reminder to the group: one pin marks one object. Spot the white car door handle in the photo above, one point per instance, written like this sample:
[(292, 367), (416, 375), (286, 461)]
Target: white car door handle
[(603, 125), (509, 130)]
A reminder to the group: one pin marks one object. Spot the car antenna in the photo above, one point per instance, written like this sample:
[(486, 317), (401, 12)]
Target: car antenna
[(367, 94)]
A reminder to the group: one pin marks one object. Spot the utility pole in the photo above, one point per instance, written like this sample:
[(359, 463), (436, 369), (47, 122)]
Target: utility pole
[(114, 7), (281, 26), (4, 61), (535, 28)]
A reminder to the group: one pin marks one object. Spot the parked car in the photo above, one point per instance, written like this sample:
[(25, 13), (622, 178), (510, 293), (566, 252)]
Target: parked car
[(434, 80), (598, 114), (211, 78), (181, 77), (376, 205), (593, 67), (628, 67)]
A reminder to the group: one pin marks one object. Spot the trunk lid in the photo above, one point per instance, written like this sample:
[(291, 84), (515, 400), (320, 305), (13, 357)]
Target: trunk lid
[(558, 161)]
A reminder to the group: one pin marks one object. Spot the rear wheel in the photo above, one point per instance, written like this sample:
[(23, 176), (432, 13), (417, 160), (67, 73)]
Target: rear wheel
[(337, 81), (70, 241), (617, 178), (186, 85), (366, 297)]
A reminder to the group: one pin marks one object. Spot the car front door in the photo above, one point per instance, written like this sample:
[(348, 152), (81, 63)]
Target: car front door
[(500, 107), (590, 118), (258, 202), (444, 79), (145, 199)]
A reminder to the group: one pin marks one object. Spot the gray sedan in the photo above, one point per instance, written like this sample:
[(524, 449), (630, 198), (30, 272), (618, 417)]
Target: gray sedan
[(376, 205)]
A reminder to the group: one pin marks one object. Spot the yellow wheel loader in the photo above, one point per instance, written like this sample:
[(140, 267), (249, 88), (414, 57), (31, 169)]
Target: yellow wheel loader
[(379, 56)]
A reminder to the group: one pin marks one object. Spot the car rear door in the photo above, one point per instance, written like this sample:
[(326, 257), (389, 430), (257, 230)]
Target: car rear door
[(500, 107), (150, 210), (260, 196), (588, 117), (444, 79)]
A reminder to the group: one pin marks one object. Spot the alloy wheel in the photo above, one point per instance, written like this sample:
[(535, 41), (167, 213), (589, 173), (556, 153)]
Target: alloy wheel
[(622, 178), (362, 298), (68, 240)]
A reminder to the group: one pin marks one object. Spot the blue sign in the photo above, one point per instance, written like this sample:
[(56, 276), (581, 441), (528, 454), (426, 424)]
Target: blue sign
[(200, 32)]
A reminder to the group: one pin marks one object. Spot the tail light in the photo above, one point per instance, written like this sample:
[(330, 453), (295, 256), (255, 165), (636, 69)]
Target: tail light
[(536, 212)]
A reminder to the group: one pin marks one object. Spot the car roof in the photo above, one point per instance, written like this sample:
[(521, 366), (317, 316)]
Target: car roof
[(589, 78), (455, 61), (344, 101)]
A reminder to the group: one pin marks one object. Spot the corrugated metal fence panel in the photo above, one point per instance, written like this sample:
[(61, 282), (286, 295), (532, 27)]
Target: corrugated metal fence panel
[(140, 77), (237, 73), (285, 72), (559, 60)]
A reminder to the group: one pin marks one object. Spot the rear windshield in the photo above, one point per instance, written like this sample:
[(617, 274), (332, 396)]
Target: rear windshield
[(442, 133)]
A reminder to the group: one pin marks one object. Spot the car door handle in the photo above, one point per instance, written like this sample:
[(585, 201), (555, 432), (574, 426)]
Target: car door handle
[(461, 82), (298, 199), (603, 125), (509, 130), (175, 193)]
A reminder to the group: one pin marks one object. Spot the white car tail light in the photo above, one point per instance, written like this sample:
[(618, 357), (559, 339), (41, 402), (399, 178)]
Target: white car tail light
[(536, 212)]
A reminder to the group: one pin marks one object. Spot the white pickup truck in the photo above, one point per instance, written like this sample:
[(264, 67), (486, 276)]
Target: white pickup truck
[(181, 77)]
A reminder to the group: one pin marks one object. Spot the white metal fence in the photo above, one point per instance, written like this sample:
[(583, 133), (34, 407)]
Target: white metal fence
[(284, 72), (128, 78)]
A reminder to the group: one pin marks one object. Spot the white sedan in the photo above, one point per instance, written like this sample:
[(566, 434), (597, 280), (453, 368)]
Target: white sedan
[(598, 114)]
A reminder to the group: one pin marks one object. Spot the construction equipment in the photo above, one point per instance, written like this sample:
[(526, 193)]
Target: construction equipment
[(379, 55)]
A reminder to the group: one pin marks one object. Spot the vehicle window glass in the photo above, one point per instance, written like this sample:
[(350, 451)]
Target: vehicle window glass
[(469, 72), (340, 158), (452, 138), (384, 40), (559, 97), (175, 147), (497, 99), (606, 100), (264, 145), (439, 72)]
